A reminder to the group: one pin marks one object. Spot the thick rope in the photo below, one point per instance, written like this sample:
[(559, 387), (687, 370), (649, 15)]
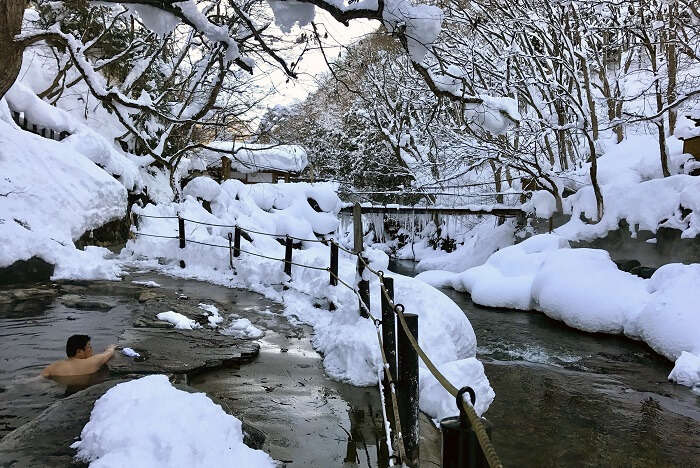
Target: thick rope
[(474, 419)]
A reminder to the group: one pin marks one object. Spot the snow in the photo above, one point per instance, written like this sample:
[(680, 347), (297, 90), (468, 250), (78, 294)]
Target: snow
[(422, 25), (438, 403), (584, 289), (687, 370), (214, 318), (347, 341), (542, 203), (52, 195), (242, 328), (483, 240), (202, 187), (290, 12), (148, 284), (212, 31), (157, 20), (149, 423), (130, 353), (250, 158), (178, 320)]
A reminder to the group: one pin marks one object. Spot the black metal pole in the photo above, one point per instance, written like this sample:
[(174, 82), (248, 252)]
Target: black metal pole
[(181, 235), (408, 389), (334, 264), (288, 256), (363, 287), (389, 342), (460, 446), (237, 241)]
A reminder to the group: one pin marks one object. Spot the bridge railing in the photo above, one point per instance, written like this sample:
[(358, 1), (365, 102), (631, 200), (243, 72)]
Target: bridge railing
[(20, 119), (466, 440)]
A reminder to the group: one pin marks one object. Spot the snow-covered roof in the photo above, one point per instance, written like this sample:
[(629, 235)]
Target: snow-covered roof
[(250, 158)]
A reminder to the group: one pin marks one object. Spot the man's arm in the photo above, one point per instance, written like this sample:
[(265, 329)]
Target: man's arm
[(47, 371), (99, 360)]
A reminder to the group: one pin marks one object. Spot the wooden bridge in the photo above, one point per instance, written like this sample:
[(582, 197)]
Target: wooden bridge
[(503, 211)]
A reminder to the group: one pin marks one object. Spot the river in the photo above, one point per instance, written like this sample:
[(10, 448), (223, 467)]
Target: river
[(569, 398)]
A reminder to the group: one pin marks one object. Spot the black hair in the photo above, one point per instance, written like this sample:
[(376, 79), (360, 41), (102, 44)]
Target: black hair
[(76, 343)]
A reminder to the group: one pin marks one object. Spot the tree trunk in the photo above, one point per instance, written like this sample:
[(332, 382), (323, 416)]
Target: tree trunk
[(11, 14)]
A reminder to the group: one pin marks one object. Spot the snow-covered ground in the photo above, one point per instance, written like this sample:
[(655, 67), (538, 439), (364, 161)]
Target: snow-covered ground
[(347, 341), (147, 422)]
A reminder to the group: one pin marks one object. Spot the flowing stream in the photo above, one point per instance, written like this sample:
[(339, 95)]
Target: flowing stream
[(569, 398)]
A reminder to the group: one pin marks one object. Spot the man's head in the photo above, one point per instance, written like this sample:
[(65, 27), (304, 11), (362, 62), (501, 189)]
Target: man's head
[(78, 346)]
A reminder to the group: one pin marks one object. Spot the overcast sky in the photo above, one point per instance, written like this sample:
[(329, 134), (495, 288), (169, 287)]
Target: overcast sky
[(313, 65)]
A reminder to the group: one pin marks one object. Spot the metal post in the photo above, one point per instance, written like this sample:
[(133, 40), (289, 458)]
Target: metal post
[(230, 249), (237, 242), (15, 117), (334, 263), (181, 235), (53, 134), (288, 256), (408, 390), (35, 130), (389, 342), (24, 125), (363, 287), (460, 446), (43, 132)]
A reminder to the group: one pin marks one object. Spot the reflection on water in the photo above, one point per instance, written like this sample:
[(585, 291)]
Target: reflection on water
[(569, 398)]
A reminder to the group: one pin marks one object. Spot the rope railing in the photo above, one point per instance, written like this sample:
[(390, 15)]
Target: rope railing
[(467, 409)]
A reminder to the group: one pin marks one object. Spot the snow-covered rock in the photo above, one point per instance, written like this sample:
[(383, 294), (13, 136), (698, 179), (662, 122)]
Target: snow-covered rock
[(178, 320), (149, 423)]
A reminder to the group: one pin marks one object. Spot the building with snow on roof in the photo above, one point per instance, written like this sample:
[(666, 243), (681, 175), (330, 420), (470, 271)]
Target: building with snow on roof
[(249, 162)]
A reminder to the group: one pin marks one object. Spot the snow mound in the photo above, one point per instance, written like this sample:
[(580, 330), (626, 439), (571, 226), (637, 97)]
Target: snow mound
[(202, 187), (149, 423), (584, 289), (438, 403), (484, 239), (53, 194), (178, 320), (242, 328)]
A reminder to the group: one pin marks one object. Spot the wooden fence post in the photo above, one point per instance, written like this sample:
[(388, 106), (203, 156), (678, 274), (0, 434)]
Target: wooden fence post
[(408, 390), (236, 241), (363, 287), (181, 235), (230, 250), (225, 168), (288, 256), (357, 227), (334, 263), (389, 342)]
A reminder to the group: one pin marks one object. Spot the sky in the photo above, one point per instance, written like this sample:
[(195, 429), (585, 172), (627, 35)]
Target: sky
[(313, 64)]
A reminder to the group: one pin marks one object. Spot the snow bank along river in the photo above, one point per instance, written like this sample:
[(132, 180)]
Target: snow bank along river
[(569, 398)]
